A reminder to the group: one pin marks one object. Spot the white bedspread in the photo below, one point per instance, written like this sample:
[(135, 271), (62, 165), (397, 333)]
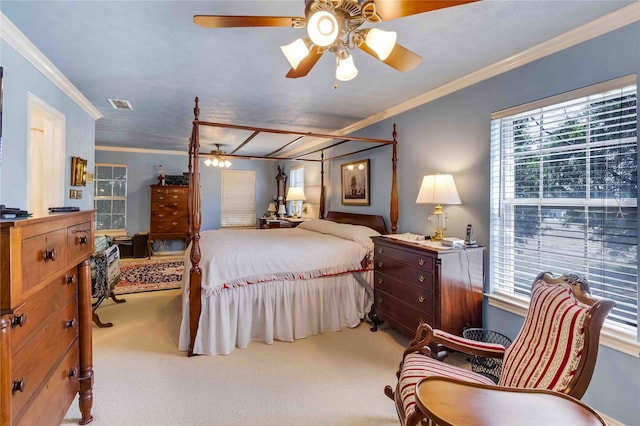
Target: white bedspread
[(232, 258), (277, 284)]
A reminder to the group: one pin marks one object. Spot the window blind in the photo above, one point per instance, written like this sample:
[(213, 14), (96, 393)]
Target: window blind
[(238, 198), (564, 194)]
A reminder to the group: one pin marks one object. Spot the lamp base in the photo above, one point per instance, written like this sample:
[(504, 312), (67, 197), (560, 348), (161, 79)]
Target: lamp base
[(438, 222)]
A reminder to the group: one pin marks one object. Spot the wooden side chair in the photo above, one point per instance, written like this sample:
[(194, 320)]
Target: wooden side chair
[(556, 349), (105, 275)]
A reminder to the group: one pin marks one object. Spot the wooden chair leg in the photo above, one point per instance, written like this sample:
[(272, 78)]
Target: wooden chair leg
[(113, 297), (99, 323)]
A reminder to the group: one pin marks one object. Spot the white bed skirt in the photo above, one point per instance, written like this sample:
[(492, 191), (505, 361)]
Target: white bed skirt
[(276, 310)]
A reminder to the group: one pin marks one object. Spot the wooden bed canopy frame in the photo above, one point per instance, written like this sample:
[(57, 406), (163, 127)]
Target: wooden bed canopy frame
[(195, 201)]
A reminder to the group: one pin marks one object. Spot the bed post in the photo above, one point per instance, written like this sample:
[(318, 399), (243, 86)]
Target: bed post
[(195, 214), (393, 209), (321, 185)]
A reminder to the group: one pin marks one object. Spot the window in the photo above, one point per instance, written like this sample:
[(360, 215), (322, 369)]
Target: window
[(238, 198), (564, 193), (110, 197), (296, 179)]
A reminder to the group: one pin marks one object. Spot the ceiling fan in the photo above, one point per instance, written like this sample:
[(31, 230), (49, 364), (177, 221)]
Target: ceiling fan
[(334, 26)]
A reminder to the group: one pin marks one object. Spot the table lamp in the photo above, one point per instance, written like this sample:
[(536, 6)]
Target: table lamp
[(282, 211), (271, 210), (438, 189), (295, 194)]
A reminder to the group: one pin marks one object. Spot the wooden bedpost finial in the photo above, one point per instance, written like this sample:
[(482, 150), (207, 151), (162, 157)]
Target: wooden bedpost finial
[(196, 110)]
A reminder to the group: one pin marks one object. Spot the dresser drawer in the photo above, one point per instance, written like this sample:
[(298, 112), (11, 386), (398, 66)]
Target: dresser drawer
[(43, 256), (79, 242), (41, 306), (405, 317), (413, 275), (169, 206), (419, 298), (168, 214), (404, 256), (59, 391), (168, 226), (181, 191), (31, 363), (167, 198)]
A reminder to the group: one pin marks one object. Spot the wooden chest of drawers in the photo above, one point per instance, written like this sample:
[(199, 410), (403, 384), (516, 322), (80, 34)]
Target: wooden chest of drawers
[(45, 326), (415, 283), (169, 218)]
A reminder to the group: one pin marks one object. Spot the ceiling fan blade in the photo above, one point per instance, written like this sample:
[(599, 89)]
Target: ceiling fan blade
[(400, 58), (392, 9), (306, 64), (220, 21)]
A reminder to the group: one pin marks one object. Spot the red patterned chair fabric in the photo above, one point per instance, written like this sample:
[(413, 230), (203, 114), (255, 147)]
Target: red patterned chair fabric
[(556, 348)]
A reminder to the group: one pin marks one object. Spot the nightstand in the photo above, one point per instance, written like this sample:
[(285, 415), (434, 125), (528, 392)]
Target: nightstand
[(417, 283)]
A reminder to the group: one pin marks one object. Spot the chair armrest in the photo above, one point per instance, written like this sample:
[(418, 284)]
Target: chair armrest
[(425, 336)]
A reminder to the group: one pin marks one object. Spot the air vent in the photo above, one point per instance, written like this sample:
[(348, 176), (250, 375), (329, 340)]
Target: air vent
[(120, 104)]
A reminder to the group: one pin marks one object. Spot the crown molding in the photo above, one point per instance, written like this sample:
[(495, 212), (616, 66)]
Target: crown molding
[(139, 150), (605, 24), (14, 37)]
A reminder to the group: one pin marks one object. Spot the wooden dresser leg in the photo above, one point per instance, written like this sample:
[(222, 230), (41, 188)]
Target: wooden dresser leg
[(85, 313)]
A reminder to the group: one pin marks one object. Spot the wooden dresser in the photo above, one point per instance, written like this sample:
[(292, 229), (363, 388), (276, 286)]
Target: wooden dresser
[(415, 283), (169, 213), (45, 321)]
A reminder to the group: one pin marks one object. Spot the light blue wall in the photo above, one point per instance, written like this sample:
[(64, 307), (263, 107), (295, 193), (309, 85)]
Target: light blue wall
[(20, 79), (142, 171), (452, 134)]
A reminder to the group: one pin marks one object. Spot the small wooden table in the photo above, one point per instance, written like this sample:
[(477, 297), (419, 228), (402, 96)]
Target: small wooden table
[(453, 402)]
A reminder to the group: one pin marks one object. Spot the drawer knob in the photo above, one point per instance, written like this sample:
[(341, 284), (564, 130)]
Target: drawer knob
[(380, 264), (160, 205), (70, 323), (174, 223), (72, 373), (421, 262), (70, 279), (380, 250), (161, 198), (421, 278), (421, 299), (18, 320), (17, 386), (175, 204), (379, 280), (175, 213), (82, 240), (49, 254), (160, 215)]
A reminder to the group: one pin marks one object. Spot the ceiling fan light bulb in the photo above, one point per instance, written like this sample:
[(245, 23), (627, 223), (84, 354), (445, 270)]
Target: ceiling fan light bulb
[(227, 163), (322, 28), (295, 52), (207, 162), (381, 42), (215, 162), (346, 69)]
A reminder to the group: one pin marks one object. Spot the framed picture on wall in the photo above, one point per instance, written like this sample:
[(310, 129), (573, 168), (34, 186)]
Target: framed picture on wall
[(78, 171), (355, 183)]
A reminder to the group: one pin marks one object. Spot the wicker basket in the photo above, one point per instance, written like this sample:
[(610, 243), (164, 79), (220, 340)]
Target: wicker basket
[(489, 367)]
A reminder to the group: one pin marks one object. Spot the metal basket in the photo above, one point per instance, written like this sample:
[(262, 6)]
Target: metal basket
[(489, 367)]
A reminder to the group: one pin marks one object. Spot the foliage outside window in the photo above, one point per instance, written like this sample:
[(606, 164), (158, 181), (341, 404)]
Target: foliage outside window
[(110, 197), (564, 193), (238, 198)]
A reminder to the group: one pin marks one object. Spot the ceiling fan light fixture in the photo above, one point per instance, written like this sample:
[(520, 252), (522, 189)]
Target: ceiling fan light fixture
[(322, 28), (295, 52), (346, 69), (381, 42)]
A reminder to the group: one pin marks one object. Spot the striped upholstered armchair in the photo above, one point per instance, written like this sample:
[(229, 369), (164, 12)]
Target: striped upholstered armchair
[(556, 348)]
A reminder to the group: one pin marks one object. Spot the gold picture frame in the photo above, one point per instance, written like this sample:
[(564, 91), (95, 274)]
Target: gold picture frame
[(355, 183), (78, 171)]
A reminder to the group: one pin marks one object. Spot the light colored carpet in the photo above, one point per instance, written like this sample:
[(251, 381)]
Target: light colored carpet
[(142, 379)]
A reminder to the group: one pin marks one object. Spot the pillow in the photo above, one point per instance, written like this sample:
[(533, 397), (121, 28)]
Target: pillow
[(357, 233)]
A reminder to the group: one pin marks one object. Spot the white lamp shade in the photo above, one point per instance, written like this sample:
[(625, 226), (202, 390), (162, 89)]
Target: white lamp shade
[(272, 208), (322, 28), (438, 189), (295, 52), (282, 209), (346, 69), (296, 193), (381, 42)]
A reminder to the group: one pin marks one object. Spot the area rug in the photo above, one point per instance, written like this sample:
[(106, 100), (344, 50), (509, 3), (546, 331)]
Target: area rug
[(149, 275)]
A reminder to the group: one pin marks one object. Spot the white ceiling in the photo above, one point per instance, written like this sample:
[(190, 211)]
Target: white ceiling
[(151, 54)]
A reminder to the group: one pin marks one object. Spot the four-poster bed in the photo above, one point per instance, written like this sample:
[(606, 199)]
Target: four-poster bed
[(215, 303)]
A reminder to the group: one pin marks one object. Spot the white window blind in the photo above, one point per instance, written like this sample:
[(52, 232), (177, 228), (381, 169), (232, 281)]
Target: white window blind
[(296, 176), (238, 198), (564, 193)]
